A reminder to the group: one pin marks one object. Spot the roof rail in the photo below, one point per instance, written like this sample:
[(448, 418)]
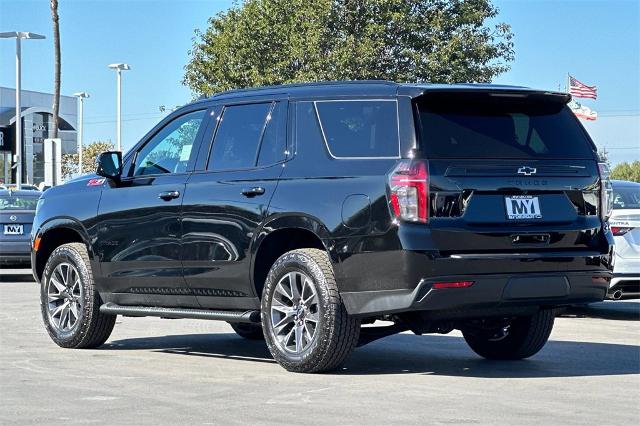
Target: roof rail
[(306, 84)]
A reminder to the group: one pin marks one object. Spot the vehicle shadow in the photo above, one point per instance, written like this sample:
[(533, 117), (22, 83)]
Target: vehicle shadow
[(618, 310), (16, 277), (409, 354)]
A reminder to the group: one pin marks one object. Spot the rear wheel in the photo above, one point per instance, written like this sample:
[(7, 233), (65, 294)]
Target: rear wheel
[(307, 327), (69, 302), (516, 339), (248, 331)]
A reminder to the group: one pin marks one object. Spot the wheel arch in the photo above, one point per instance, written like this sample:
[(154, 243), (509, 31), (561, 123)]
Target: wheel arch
[(55, 233), (279, 235)]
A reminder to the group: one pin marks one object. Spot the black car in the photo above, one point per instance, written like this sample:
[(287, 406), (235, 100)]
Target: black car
[(302, 214), (17, 209)]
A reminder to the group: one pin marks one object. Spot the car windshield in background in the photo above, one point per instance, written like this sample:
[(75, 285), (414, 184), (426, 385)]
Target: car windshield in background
[(13, 202), (501, 130), (626, 197)]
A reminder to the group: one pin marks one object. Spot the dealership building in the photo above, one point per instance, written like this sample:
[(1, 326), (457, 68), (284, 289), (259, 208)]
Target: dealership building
[(37, 125)]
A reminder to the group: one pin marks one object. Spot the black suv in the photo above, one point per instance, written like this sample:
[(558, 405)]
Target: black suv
[(302, 214)]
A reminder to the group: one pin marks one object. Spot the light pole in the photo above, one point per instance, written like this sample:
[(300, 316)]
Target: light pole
[(80, 96), (119, 68), (19, 35)]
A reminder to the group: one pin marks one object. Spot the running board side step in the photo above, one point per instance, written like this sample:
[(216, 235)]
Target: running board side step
[(251, 316)]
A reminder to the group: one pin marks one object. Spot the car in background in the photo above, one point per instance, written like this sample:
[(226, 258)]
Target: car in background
[(625, 226), (17, 210), (23, 187)]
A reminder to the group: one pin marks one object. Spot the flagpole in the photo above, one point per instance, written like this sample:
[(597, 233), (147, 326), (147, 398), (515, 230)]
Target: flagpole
[(568, 84)]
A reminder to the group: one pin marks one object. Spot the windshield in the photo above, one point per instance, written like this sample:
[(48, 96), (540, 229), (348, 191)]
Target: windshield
[(498, 129), (13, 202), (626, 197)]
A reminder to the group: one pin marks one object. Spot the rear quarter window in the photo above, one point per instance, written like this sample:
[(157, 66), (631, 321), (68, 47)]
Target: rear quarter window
[(360, 128)]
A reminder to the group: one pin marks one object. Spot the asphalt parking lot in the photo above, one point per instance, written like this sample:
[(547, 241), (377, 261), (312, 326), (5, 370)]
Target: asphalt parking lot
[(154, 371)]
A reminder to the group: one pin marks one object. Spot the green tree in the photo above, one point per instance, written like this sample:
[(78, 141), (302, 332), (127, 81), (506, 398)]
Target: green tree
[(627, 171), (89, 155), (261, 42)]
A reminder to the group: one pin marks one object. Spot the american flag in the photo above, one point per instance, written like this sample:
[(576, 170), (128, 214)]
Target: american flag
[(581, 90)]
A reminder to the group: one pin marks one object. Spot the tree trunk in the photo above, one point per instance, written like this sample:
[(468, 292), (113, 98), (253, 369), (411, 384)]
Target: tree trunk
[(56, 67)]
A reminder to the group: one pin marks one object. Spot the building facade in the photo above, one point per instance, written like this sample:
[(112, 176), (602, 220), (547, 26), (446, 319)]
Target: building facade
[(37, 125)]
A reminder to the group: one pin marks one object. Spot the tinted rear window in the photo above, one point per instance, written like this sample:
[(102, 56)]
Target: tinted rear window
[(626, 197), (357, 129), (236, 142), (14, 202), (502, 130)]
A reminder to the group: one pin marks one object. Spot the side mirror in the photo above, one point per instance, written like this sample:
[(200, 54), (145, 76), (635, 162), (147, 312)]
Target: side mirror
[(109, 165)]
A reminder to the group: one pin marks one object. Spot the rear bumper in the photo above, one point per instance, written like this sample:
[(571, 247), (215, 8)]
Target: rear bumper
[(492, 294), (15, 252)]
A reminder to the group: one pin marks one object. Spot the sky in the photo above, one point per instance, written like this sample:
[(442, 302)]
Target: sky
[(598, 42)]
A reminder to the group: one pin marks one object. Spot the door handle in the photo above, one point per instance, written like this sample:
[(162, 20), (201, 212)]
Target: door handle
[(169, 195), (252, 192)]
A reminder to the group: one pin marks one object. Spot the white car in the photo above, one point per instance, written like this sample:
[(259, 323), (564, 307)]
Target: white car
[(625, 225)]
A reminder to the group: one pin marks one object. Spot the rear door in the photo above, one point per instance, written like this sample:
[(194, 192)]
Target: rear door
[(514, 172), (227, 201)]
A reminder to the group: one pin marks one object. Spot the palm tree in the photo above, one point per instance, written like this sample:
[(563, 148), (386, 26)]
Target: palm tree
[(56, 66)]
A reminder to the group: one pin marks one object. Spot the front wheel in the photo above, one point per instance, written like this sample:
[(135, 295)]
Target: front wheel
[(516, 339), (69, 301), (307, 327)]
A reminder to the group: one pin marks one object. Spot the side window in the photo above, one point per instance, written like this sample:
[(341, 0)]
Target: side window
[(169, 150), (237, 138), (274, 139), (357, 129)]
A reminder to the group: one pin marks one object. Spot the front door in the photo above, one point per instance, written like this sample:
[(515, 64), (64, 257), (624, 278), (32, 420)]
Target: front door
[(138, 225), (227, 202)]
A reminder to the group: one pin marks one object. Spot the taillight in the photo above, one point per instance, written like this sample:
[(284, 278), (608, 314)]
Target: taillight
[(619, 230), (606, 192), (453, 284), (410, 191)]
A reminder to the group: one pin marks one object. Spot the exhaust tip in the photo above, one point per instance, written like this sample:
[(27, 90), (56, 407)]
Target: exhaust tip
[(617, 295)]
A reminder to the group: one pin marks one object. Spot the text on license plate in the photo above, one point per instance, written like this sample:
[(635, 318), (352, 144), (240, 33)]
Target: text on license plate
[(521, 207), (13, 230)]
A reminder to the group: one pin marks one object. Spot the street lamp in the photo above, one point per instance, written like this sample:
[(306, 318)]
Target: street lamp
[(80, 96), (119, 68), (19, 35)]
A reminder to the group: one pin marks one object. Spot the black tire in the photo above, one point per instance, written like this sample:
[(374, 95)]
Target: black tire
[(248, 331), (92, 328), (336, 333), (525, 337)]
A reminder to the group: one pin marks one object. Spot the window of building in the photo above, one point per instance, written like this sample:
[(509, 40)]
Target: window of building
[(360, 129)]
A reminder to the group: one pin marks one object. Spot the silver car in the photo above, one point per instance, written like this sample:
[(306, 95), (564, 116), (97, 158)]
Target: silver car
[(17, 209), (625, 225)]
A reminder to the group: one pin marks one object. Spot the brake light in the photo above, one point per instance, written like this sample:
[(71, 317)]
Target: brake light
[(453, 284), (606, 192), (618, 230), (410, 191)]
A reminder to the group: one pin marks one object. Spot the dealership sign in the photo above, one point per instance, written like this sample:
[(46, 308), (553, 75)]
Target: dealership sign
[(6, 139)]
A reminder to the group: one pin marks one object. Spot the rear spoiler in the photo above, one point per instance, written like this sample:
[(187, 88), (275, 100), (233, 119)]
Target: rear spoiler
[(485, 94)]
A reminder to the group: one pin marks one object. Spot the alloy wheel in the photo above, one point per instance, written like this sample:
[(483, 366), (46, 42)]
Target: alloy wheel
[(294, 313), (64, 297)]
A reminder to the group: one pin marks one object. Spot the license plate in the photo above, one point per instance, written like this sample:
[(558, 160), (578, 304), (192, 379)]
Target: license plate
[(13, 230), (522, 207)]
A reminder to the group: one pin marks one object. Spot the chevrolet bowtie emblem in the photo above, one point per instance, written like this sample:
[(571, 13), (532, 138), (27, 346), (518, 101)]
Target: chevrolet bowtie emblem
[(527, 171)]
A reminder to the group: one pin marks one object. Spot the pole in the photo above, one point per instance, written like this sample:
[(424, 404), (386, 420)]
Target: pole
[(18, 156), (80, 136), (119, 130)]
